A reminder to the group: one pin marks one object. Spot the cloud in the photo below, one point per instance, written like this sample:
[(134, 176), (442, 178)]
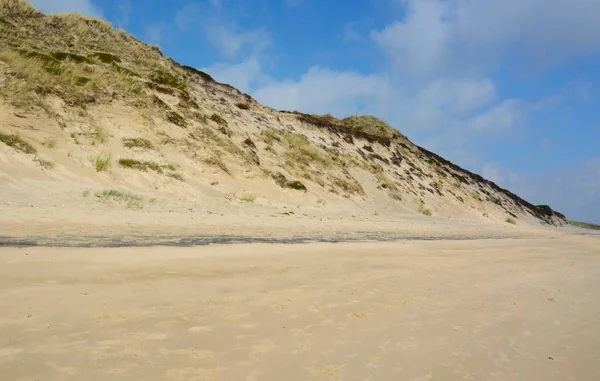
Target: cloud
[(243, 75), (225, 35), (124, 8), (84, 7), (507, 114), (322, 91), (155, 32)]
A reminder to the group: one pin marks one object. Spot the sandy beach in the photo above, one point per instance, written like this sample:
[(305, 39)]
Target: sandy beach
[(505, 309)]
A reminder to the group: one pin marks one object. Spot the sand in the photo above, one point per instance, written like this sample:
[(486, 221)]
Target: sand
[(502, 309)]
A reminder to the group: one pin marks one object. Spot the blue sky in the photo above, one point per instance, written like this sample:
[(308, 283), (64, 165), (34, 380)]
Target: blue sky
[(509, 89)]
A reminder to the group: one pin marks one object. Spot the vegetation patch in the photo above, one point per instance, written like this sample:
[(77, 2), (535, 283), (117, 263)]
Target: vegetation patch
[(101, 162), (424, 210), (105, 57), (17, 142), (283, 182), (124, 70), (385, 181), (270, 135), (248, 197), (348, 186), (301, 152), (176, 118), (138, 143), (242, 106), (46, 164), (585, 225), (131, 200), (62, 56), (511, 221), (218, 120), (165, 78)]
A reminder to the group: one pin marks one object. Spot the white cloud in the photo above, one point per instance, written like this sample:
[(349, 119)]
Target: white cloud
[(325, 91), (124, 8), (154, 33), (227, 36), (232, 41), (85, 7), (507, 114), (243, 75)]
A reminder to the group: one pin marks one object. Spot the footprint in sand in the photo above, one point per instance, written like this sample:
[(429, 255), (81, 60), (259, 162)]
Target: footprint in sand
[(360, 315)]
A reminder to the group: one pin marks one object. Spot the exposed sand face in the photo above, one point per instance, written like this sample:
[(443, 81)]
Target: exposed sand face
[(446, 310)]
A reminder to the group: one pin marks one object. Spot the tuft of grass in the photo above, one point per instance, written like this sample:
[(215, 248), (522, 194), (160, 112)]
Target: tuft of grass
[(105, 57), (176, 118), (176, 176), (301, 152), (100, 134), (242, 106), (17, 142), (165, 78), (423, 210), (131, 200), (46, 164), (385, 181), (476, 196), (283, 182), (61, 56), (124, 70), (218, 120), (248, 197), (348, 186), (270, 134), (511, 221), (101, 162), (298, 185), (50, 142), (141, 165), (137, 143), (216, 161)]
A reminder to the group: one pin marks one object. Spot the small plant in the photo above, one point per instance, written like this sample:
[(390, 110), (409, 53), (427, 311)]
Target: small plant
[(131, 200), (141, 165), (385, 181), (106, 57), (218, 120), (248, 197), (46, 164), (296, 185), (61, 56), (164, 78), (270, 134), (511, 221), (17, 142), (476, 196), (100, 134), (176, 176), (423, 210), (217, 162), (242, 106), (137, 143), (176, 118), (50, 142), (101, 162)]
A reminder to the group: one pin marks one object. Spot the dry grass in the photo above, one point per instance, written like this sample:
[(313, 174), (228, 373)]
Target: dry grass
[(50, 142), (385, 181), (511, 221), (349, 186), (17, 142), (423, 210), (301, 152), (248, 197)]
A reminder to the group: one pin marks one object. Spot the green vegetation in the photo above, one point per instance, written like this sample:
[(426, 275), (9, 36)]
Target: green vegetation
[(164, 78), (100, 134), (61, 56), (585, 225), (101, 162), (301, 152), (105, 57), (218, 120), (176, 176), (17, 142), (283, 182), (423, 210), (131, 200), (270, 134), (124, 70), (50, 142), (242, 106), (248, 197), (476, 196), (46, 164), (176, 118), (137, 143), (511, 221), (349, 186), (385, 181)]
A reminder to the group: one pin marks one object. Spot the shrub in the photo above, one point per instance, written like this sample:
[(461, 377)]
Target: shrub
[(423, 210), (16, 141), (46, 164), (511, 221), (50, 142), (101, 162), (248, 197), (242, 106), (296, 185), (218, 120), (385, 181), (140, 165), (106, 57), (164, 78), (132, 201), (176, 118), (137, 143)]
